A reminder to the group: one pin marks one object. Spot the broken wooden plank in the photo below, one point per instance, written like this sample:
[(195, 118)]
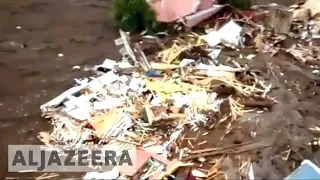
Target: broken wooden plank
[(232, 150)]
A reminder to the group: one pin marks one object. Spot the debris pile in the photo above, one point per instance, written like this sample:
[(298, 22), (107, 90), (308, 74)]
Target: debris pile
[(125, 106), (299, 21), (156, 102)]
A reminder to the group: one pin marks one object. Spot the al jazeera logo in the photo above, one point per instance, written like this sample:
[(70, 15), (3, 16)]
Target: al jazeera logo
[(38, 158)]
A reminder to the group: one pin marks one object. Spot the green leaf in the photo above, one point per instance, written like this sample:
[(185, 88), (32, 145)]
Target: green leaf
[(133, 15)]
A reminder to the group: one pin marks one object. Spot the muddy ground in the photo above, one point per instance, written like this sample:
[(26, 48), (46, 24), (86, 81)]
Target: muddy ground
[(31, 73), (79, 29), (297, 94)]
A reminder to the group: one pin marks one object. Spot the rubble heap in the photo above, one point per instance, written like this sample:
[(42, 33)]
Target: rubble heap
[(124, 106), (153, 103)]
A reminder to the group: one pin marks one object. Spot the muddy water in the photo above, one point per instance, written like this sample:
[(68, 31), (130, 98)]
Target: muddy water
[(32, 35)]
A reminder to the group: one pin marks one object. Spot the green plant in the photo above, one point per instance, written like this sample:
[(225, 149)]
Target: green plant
[(241, 4), (133, 15)]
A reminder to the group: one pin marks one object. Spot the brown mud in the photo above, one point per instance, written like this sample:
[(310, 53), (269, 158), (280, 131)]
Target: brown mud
[(31, 73), (79, 29)]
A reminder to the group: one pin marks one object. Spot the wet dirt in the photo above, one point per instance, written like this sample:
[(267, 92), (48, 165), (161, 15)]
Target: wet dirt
[(33, 33), (286, 125), (296, 91)]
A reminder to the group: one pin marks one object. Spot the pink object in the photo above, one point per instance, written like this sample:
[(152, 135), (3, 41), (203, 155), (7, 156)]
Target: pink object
[(196, 18), (171, 10), (141, 157), (204, 4)]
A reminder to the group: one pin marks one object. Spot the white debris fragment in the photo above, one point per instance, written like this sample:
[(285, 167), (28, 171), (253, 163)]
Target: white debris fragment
[(251, 172), (214, 102), (108, 63), (118, 42), (58, 100), (231, 34), (173, 138), (60, 55), (135, 84), (107, 78), (157, 149), (316, 71), (18, 27), (194, 118), (186, 62), (215, 53), (83, 81), (304, 35), (213, 38), (218, 69), (179, 99), (201, 159), (110, 103), (198, 173), (253, 134), (250, 56), (79, 107), (76, 67), (156, 100), (124, 65), (123, 79), (82, 138), (114, 174), (204, 66)]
